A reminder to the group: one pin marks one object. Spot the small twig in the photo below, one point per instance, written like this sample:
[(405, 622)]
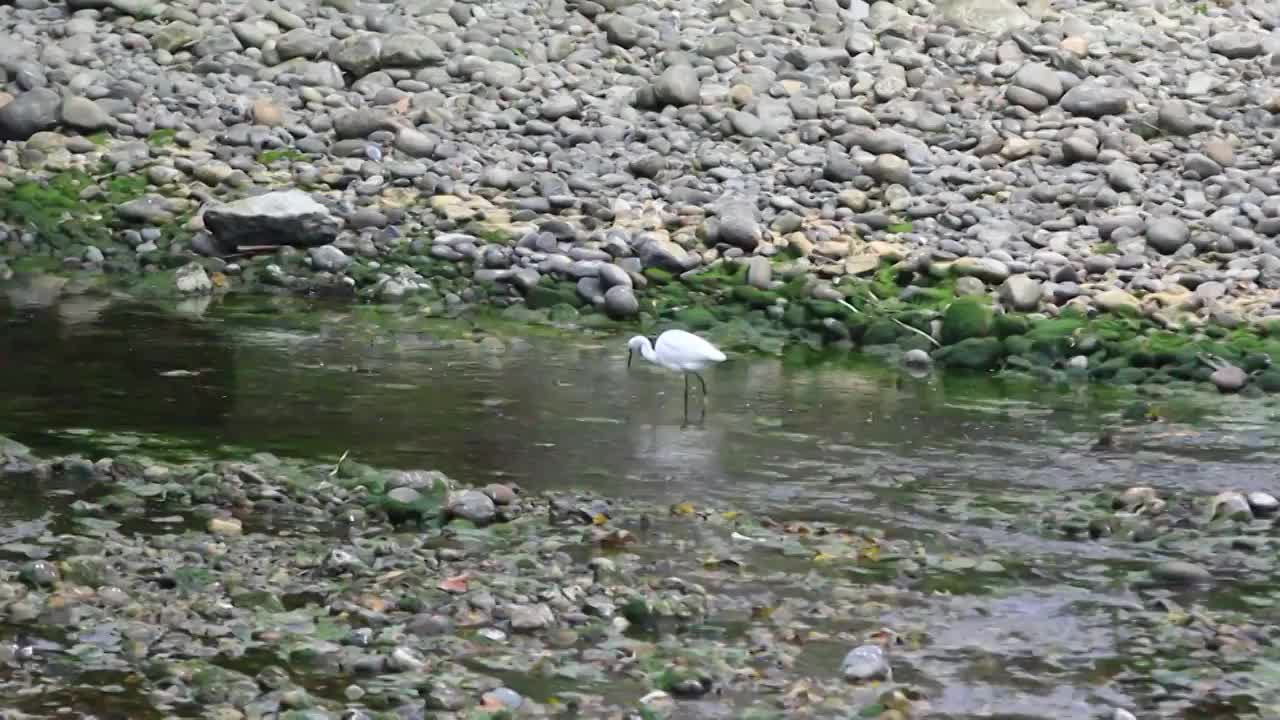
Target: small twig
[(1212, 361), (917, 331), (875, 300), (847, 304), (338, 464)]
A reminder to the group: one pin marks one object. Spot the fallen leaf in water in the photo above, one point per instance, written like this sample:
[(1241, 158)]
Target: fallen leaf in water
[(684, 508), (611, 538), (455, 584), (599, 519)]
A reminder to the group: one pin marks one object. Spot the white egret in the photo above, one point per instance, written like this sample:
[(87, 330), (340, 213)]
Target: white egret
[(678, 351)]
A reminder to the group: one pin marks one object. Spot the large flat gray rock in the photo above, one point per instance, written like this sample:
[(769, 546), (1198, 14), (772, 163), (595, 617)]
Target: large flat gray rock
[(281, 217)]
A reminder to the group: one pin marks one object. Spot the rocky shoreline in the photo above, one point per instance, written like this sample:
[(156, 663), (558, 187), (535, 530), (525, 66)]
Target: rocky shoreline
[(264, 587), (1073, 189)]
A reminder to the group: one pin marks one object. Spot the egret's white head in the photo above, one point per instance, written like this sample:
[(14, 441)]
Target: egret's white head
[(635, 345)]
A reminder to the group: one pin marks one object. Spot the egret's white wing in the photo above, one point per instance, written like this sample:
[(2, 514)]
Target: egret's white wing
[(677, 348)]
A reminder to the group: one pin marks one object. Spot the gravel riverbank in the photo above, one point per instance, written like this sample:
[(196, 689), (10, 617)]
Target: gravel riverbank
[(1092, 184), (265, 587)]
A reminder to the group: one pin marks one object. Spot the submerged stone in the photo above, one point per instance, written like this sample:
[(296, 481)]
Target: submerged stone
[(473, 506), (1181, 572), (866, 663), (972, 354)]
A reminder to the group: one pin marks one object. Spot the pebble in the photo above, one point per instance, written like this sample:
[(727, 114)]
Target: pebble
[(226, 527), (1230, 504), (1263, 503), (1180, 572), (1229, 379), (472, 505), (916, 358), (866, 663)]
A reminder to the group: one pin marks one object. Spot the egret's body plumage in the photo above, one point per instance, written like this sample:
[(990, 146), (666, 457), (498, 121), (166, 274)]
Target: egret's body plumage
[(678, 351)]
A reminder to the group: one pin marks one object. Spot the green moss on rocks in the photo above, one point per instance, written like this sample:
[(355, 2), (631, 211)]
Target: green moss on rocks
[(162, 137), (696, 318), (796, 315), (975, 353), (1131, 375), (1269, 380), (1018, 345), (827, 309), (267, 157), (966, 318), (933, 297), (754, 297), (881, 331), (1055, 337), (1009, 324), (550, 295), (658, 276), (70, 210)]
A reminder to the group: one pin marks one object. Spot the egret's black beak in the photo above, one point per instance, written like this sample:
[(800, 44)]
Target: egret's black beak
[(630, 354)]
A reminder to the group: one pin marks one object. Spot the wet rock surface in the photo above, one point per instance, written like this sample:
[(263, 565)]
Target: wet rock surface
[(265, 585)]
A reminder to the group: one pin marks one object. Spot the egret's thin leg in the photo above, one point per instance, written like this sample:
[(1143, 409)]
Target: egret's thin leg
[(703, 383), (686, 397)]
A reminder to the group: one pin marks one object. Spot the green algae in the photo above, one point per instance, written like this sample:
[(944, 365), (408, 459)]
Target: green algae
[(967, 317), (162, 137), (268, 157), (70, 210)]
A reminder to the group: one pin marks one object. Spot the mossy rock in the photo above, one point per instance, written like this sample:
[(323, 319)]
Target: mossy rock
[(858, 325), (415, 506), (919, 319), (932, 297), (1131, 375), (658, 276), (827, 309), (1008, 324), (1055, 337), (795, 289), (912, 341), (833, 332), (881, 332), (1017, 345), (1255, 362), (966, 318), (754, 297), (795, 316), (696, 318), (1270, 328), (1269, 380), (1107, 368), (547, 296), (979, 353)]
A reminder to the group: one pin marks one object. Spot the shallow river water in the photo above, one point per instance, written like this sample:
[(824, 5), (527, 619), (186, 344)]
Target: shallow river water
[(968, 465)]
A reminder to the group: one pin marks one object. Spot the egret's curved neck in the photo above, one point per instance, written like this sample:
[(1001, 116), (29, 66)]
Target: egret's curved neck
[(646, 350)]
